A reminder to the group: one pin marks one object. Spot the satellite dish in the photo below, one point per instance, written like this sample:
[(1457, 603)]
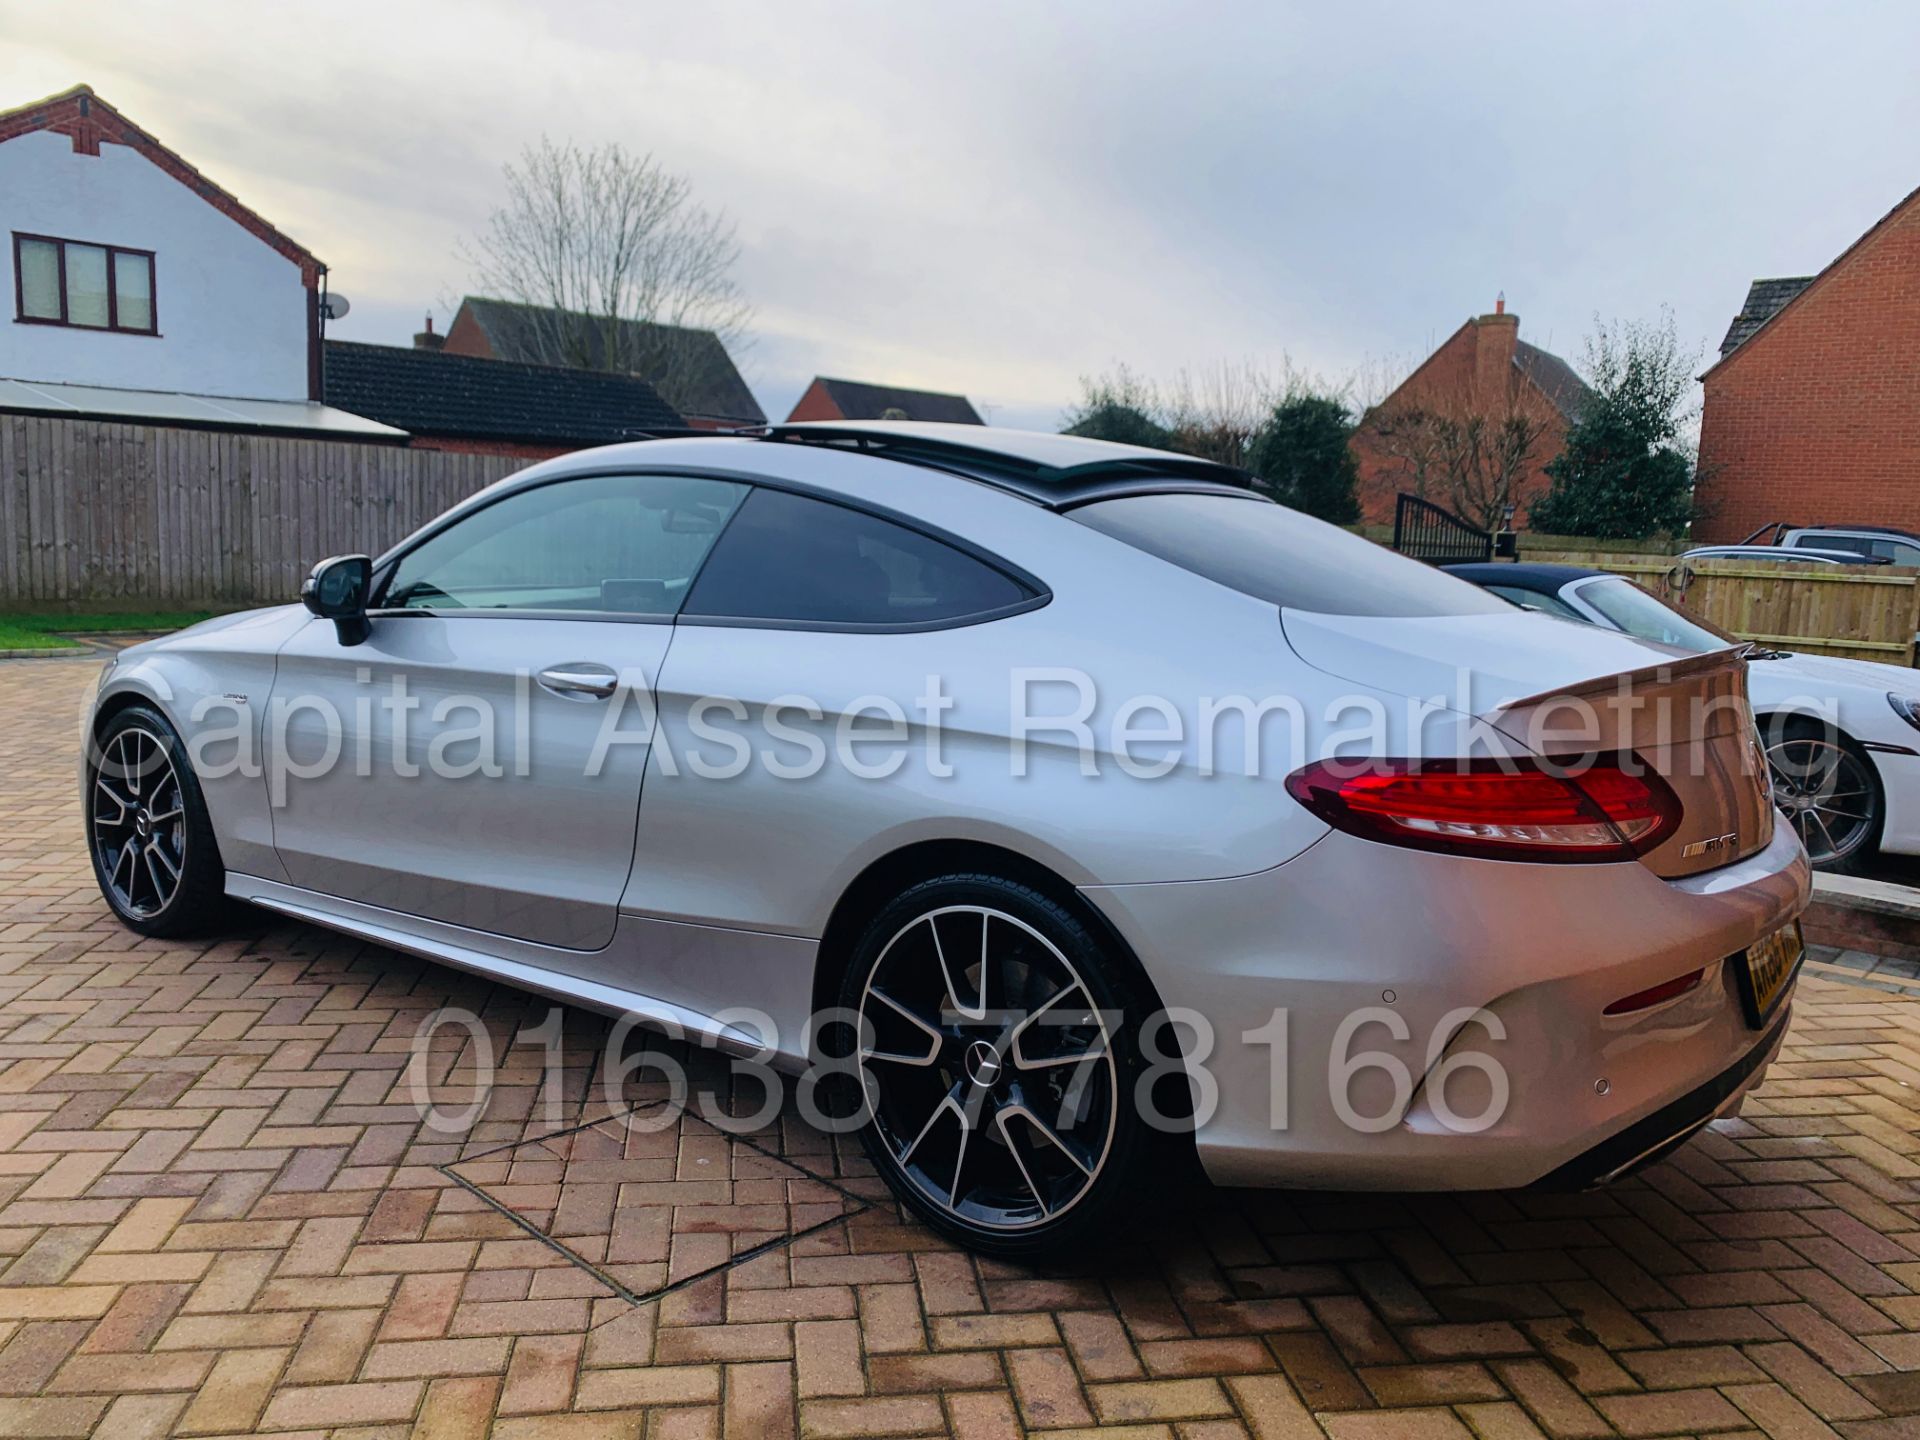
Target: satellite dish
[(335, 305)]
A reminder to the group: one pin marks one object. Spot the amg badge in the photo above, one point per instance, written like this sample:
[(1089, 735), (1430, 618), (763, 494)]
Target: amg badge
[(1709, 845)]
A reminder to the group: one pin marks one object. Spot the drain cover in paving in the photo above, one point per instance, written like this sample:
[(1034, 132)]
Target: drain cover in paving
[(651, 1199)]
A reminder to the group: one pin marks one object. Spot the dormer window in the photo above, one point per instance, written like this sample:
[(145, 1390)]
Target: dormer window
[(83, 285)]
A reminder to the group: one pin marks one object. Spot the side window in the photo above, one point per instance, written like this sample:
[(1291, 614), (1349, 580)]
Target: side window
[(795, 560), (1898, 552), (612, 544)]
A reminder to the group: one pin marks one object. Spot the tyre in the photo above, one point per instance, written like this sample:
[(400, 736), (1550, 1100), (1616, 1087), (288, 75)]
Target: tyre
[(1829, 791), (148, 830), (1000, 1064)]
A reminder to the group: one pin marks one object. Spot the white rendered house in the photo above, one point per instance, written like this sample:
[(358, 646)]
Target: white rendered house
[(133, 286)]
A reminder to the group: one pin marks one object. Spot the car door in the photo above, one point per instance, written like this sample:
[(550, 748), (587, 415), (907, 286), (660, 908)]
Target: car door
[(778, 758), (478, 758)]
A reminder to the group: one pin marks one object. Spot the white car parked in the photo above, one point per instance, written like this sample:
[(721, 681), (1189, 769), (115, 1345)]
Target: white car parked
[(1842, 736)]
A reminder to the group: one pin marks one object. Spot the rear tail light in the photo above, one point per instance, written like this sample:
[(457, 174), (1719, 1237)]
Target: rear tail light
[(1504, 808)]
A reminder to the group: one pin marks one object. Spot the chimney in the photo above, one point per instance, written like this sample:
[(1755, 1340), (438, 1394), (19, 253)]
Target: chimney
[(1493, 341), (427, 340)]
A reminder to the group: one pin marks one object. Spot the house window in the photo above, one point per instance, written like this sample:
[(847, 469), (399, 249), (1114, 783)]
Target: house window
[(92, 287)]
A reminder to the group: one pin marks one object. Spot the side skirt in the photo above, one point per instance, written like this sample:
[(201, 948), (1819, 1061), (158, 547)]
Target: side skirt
[(461, 948)]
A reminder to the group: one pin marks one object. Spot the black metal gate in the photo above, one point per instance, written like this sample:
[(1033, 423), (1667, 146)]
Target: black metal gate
[(1424, 531)]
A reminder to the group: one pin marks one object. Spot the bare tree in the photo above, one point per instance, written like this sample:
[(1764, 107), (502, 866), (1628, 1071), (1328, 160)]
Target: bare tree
[(590, 241), (1375, 378), (1411, 441), (1468, 458), (1216, 411)]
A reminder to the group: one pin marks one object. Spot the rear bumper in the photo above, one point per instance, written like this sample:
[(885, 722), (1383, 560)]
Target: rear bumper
[(1671, 1126), (1378, 953)]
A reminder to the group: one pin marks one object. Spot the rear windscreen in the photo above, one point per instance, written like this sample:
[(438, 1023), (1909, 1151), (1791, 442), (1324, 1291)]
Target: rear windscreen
[(1279, 555)]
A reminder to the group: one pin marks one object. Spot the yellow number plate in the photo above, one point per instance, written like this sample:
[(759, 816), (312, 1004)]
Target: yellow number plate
[(1769, 969)]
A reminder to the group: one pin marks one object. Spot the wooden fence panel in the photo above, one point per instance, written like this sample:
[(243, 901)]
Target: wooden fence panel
[(98, 514), (1862, 612)]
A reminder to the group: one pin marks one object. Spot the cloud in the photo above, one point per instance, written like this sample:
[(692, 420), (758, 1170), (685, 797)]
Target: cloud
[(1001, 198)]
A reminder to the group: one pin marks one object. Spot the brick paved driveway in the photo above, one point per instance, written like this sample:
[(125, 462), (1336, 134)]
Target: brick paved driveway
[(220, 1213)]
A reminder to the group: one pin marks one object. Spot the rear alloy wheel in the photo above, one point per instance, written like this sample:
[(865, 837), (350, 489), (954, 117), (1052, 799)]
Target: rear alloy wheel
[(998, 1065), (147, 829), (1828, 791)]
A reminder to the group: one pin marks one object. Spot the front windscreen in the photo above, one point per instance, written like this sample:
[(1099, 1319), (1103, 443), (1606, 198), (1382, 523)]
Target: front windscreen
[(1639, 613)]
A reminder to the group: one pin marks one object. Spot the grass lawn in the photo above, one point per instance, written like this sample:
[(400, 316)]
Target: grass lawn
[(49, 632)]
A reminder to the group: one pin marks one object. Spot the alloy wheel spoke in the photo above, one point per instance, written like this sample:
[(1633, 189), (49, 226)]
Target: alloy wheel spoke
[(125, 857), (934, 1037), (130, 771), (1093, 1051), (1019, 1161), (948, 1104), (1838, 813), (959, 1164), (158, 852), (986, 963), (1050, 1135), (140, 878), (946, 975), (125, 803), (969, 1121)]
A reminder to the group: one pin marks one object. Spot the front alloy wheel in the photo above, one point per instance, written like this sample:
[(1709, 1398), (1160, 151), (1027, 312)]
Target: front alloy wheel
[(1828, 791), (996, 1064), (148, 831), (139, 823)]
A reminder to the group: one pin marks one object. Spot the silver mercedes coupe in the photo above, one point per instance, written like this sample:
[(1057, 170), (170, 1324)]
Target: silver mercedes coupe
[(1074, 802)]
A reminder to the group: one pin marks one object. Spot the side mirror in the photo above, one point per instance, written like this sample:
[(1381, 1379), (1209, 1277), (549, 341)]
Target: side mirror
[(337, 591)]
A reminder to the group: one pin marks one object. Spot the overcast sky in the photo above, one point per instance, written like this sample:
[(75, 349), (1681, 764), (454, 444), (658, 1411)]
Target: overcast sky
[(1000, 199)]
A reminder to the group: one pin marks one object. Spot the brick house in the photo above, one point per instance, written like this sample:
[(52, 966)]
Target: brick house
[(1483, 371), (689, 367), (828, 399), (1812, 413)]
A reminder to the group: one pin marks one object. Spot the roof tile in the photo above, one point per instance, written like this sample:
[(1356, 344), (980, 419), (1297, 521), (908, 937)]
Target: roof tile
[(1556, 379), (690, 368), (427, 392), (860, 401), (1765, 299)]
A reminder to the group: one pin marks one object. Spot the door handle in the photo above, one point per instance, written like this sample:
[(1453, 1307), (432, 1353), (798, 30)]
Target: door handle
[(578, 679)]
